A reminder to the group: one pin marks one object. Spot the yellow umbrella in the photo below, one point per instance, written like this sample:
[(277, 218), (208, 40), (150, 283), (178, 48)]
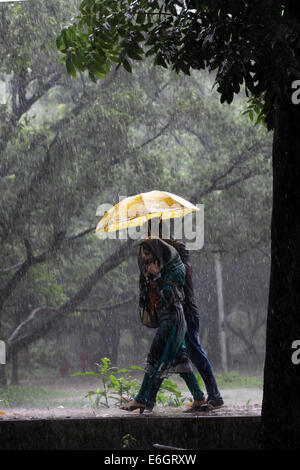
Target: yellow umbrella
[(134, 211)]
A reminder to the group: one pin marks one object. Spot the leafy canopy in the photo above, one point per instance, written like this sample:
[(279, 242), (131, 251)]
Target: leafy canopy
[(255, 43)]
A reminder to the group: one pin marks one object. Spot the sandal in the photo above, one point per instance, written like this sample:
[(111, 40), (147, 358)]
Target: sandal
[(196, 406), (133, 405)]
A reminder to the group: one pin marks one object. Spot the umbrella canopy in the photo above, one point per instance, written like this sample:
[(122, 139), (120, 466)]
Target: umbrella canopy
[(134, 211)]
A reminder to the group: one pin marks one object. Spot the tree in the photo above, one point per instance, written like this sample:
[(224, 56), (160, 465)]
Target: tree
[(44, 194), (82, 142), (255, 44), (165, 136)]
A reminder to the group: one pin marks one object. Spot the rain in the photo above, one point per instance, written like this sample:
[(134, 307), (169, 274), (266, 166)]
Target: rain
[(79, 134)]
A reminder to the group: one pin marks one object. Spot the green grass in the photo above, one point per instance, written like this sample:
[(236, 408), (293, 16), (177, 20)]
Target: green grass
[(32, 396), (230, 381), (37, 396), (233, 380)]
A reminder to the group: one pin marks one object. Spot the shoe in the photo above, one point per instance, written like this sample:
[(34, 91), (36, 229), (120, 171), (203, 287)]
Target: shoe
[(213, 404), (196, 406)]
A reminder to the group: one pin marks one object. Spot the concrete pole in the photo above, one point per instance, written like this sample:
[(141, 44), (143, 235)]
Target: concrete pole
[(221, 314)]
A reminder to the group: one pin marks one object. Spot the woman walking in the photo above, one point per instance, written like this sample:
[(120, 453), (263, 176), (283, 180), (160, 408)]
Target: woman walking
[(161, 292)]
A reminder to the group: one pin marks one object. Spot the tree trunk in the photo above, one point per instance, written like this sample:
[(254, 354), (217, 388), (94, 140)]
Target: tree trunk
[(208, 303), (281, 397), (3, 381), (221, 316), (111, 337)]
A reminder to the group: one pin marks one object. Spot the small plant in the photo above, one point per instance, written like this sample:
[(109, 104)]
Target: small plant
[(5, 402), (176, 402), (104, 373), (199, 378), (119, 389), (128, 441), (122, 388), (176, 398)]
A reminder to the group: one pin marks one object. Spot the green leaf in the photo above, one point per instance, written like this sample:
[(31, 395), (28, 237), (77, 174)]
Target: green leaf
[(114, 380), (92, 77), (60, 43), (99, 75), (140, 18), (132, 54), (126, 65), (70, 66), (85, 373)]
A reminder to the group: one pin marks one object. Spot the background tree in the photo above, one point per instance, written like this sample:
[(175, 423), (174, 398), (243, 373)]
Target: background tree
[(246, 43), (82, 143)]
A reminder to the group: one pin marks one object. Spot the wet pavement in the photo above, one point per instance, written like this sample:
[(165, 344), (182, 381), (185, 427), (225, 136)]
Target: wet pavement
[(238, 402), (54, 413)]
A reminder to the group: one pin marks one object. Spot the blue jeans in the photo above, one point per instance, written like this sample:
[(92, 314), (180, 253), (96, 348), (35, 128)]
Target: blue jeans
[(199, 359)]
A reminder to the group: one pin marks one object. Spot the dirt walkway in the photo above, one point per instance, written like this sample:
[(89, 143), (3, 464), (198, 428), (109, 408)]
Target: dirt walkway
[(238, 402)]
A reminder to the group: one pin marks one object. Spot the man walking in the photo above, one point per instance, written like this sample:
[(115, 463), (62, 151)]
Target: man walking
[(192, 339)]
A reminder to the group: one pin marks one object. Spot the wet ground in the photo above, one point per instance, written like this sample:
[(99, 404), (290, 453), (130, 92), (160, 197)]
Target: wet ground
[(238, 402)]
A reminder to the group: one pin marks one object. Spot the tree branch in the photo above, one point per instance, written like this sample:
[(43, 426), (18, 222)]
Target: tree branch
[(201, 137), (11, 268), (240, 334), (214, 186), (28, 320), (110, 307), (17, 342), (42, 257), (156, 135), (24, 267), (20, 109)]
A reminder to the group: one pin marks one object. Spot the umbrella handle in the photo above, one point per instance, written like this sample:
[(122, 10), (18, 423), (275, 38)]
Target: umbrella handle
[(149, 227), (159, 227)]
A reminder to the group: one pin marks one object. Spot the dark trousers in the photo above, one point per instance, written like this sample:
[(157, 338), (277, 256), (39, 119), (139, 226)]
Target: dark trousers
[(199, 359)]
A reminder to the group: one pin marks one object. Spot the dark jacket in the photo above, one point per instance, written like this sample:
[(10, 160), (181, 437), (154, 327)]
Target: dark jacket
[(190, 306)]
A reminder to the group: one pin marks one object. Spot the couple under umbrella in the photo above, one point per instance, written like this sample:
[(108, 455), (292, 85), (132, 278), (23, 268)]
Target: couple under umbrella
[(166, 296)]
